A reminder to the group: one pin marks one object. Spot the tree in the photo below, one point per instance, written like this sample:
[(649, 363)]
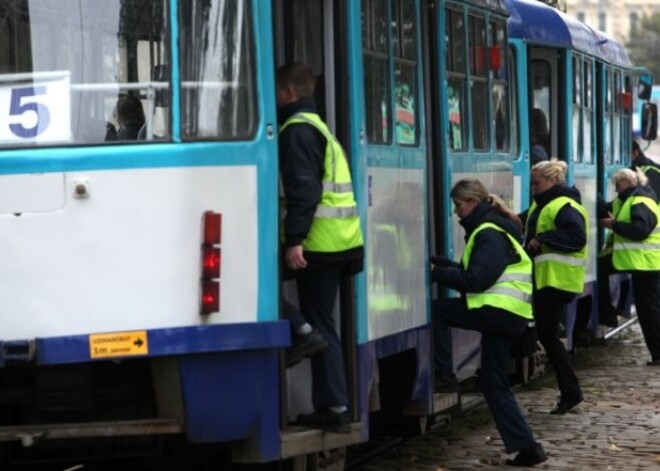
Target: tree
[(644, 45)]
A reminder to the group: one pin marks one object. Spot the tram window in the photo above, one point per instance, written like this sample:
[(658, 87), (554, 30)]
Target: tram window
[(627, 120), (479, 84), (456, 110), (405, 76), (500, 87), (218, 91), (577, 109), (456, 90), (376, 70), (513, 121), (540, 117), (587, 147), (78, 57)]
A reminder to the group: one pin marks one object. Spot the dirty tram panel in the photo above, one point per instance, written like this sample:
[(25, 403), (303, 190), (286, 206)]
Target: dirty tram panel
[(139, 219)]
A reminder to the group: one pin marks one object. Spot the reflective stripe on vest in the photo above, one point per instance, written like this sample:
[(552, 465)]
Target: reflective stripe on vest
[(513, 289), (561, 270), (336, 225), (642, 255)]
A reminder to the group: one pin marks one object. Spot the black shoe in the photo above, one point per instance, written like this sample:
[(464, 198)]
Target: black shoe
[(653, 362), (325, 419), (610, 319), (566, 404), (304, 346), (533, 454)]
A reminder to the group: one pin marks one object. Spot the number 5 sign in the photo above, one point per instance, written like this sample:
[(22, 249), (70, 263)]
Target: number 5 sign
[(35, 108)]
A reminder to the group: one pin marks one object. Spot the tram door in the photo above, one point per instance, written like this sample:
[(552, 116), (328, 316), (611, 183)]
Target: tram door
[(305, 32), (544, 104)]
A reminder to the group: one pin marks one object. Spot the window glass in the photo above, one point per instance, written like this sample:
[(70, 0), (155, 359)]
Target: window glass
[(456, 82), (376, 70), (587, 140), (405, 76), (514, 122), (498, 65), (577, 109), (456, 110), (218, 92), (82, 71), (540, 114), (479, 86)]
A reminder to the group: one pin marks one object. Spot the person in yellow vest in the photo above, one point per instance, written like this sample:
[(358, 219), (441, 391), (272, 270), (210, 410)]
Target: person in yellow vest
[(495, 280), (634, 247), (556, 238), (322, 241)]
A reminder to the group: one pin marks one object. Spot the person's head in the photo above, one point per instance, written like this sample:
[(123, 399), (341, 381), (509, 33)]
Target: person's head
[(547, 174), (129, 110), (293, 82), (468, 193), (626, 178)]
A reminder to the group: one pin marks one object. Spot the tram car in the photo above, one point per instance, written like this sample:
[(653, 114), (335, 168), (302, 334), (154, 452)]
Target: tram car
[(140, 278)]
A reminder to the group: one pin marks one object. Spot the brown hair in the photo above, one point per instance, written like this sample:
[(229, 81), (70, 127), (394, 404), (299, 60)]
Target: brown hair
[(471, 188)]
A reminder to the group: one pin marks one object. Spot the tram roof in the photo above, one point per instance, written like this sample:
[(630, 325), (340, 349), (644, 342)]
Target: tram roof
[(535, 21)]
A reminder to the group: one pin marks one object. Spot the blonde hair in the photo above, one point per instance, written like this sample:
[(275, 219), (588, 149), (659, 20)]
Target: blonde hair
[(471, 188), (553, 170), (636, 177)]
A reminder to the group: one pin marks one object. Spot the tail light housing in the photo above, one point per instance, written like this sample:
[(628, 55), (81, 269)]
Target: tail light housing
[(211, 254)]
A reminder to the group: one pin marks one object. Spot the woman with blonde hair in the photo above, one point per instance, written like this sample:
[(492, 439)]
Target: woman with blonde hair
[(556, 238), (634, 247), (495, 279)]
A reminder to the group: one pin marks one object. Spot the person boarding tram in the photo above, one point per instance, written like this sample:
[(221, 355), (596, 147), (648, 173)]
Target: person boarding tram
[(634, 247), (556, 232), (495, 280), (322, 241)]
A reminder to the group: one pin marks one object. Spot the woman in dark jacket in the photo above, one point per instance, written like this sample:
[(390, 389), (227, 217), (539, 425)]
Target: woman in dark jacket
[(634, 247), (556, 238), (495, 279)]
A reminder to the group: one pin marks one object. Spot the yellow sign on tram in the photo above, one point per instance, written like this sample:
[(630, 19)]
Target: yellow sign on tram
[(118, 344)]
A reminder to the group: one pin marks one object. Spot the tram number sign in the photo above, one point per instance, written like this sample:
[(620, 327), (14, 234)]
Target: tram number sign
[(38, 110), (118, 344)]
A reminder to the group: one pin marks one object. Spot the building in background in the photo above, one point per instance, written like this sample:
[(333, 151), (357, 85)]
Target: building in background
[(614, 17)]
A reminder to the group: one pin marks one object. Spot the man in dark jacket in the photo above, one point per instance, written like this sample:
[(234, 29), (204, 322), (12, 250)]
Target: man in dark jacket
[(322, 241), (648, 166)]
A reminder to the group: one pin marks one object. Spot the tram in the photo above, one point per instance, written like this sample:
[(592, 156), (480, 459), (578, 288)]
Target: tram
[(140, 285)]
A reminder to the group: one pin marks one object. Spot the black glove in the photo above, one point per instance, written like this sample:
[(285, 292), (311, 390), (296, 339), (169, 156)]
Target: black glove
[(440, 261)]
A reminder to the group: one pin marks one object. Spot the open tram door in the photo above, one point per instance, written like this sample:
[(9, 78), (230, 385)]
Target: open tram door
[(309, 31)]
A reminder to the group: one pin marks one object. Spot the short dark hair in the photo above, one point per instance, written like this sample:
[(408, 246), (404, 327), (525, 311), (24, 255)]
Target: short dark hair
[(129, 110), (297, 75)]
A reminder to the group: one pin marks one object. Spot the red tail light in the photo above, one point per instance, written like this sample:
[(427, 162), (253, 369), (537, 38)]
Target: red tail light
[(210, 297), (211, 261), (212, 228)]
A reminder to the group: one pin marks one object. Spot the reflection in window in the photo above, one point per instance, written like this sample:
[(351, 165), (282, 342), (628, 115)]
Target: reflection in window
[(376, 70), (405, 76), (587, 149), (513, 126), (218, 92), (498, 66), (479, 62), (456, 89), (577, 109), (540, 114), (80, 58), (456, 110)]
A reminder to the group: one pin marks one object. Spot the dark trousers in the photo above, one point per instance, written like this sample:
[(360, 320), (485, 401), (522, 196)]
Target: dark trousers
[(646, 289), (499, 329), (317, 292), (606, 310), (548, 312)]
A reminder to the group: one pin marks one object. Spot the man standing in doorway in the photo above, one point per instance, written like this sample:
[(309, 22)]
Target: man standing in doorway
[(322, 241)]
